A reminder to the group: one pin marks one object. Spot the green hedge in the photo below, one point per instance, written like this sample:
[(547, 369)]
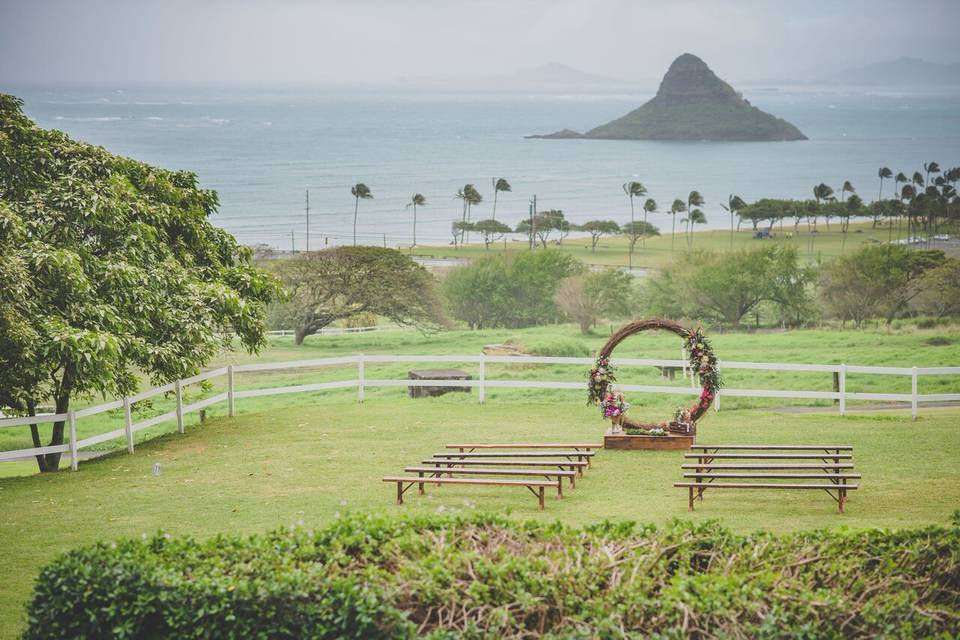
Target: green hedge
[(484, 576)]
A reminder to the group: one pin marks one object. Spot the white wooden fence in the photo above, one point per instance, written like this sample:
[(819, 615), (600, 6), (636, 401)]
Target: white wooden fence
[(361, 382)]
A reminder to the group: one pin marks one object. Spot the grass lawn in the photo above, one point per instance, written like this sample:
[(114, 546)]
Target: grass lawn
[(308, 457), (659, 251), (278, 464)]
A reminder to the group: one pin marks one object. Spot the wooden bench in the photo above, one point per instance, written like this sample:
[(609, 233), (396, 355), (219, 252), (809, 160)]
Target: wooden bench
[(469, 448), (449, 463), (580, 456), (436, 472), (834, 474), (536, 487)]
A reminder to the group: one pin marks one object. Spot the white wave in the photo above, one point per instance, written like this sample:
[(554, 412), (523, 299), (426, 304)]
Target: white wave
[(216, 120)]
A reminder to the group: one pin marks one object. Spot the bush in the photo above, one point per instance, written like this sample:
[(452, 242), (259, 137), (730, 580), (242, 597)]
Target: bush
[(560, 348), (486, 576), (515, 291)]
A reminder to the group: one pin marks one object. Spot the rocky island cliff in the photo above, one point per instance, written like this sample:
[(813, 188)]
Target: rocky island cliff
[(692, 104)]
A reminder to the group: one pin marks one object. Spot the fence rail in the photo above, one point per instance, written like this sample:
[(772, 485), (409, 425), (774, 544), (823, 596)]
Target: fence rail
[(360, 382)]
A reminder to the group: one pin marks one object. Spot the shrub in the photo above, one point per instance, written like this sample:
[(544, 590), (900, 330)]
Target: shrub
[(485, 576), (560, 348), (515, 291)]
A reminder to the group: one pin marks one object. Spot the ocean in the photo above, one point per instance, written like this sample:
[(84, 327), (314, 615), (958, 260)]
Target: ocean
[(262, 149)]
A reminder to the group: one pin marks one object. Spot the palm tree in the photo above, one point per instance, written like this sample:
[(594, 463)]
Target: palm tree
[(825, 193), (678, 206), (470, 196), (416, 200), (694, 200), (360, 191), (930, 167), (499, 184), (882, 173), (650, 206), (633, 189), (846, 188), (900, 178), (696, 217), (734, 204)]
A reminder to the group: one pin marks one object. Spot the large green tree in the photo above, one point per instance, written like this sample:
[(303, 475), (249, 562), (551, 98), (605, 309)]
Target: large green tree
[(110, 269), (509, 291), (726, 286), (339, 283), (876, 281)]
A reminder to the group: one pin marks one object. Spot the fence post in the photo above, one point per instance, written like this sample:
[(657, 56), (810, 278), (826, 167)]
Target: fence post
[(360, 377), (230, 410), (483, 378), (913, 393), (128, 424), (843, 389), (178, 391), (72, 417)]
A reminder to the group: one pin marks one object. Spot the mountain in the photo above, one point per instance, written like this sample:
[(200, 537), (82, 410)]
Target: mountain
[(550, 77), (900, 72), (556, 73), (692, 104)]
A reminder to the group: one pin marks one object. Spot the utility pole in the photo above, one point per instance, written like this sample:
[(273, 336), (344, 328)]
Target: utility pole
[(533, 224), (293, 243), (308, 220)]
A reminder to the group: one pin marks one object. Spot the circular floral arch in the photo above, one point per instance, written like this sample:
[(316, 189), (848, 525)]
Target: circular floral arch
[(703, 363)]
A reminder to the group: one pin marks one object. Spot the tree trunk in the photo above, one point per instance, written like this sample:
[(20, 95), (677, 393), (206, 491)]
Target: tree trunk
[(51, 461), (299, 334), (356, 207)]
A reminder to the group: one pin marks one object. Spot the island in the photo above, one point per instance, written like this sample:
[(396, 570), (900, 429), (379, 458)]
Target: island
[(691, 104)]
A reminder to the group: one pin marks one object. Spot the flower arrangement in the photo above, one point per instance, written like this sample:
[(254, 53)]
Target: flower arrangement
[(613, 405), (601, 377)]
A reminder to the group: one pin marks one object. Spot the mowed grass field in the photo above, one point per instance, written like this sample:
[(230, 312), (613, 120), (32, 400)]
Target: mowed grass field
[(657, 252), (309, 457)]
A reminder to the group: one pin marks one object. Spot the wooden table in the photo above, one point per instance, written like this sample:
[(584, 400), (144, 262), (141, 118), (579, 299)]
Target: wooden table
[(436, 374)]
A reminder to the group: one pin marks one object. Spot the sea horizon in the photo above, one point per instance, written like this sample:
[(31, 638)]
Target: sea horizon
[(262, 149)]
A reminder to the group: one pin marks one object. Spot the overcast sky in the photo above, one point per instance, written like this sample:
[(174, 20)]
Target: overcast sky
[(319, 41)]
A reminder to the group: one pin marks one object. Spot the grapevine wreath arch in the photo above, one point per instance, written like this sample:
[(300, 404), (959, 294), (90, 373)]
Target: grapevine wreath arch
[(702, 361)]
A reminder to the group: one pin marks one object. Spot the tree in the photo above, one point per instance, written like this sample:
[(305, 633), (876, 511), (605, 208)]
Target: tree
[(499, 184), (846, 188), (339, 283), (491, 230), (597, 294), (416, 200), (650, 206), (849, 209), (696, 217), (678, 206), (470, 197), (734, 204), (633, 190), (360, 192), (821, 193), (883, 173), (937, 291), (110, 270), (633, 231), (509, 291), (598, 228), (874, 281), (544, 224), (727, 286)]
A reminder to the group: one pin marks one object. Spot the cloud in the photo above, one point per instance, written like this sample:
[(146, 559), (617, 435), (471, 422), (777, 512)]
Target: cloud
[(301, 41)]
